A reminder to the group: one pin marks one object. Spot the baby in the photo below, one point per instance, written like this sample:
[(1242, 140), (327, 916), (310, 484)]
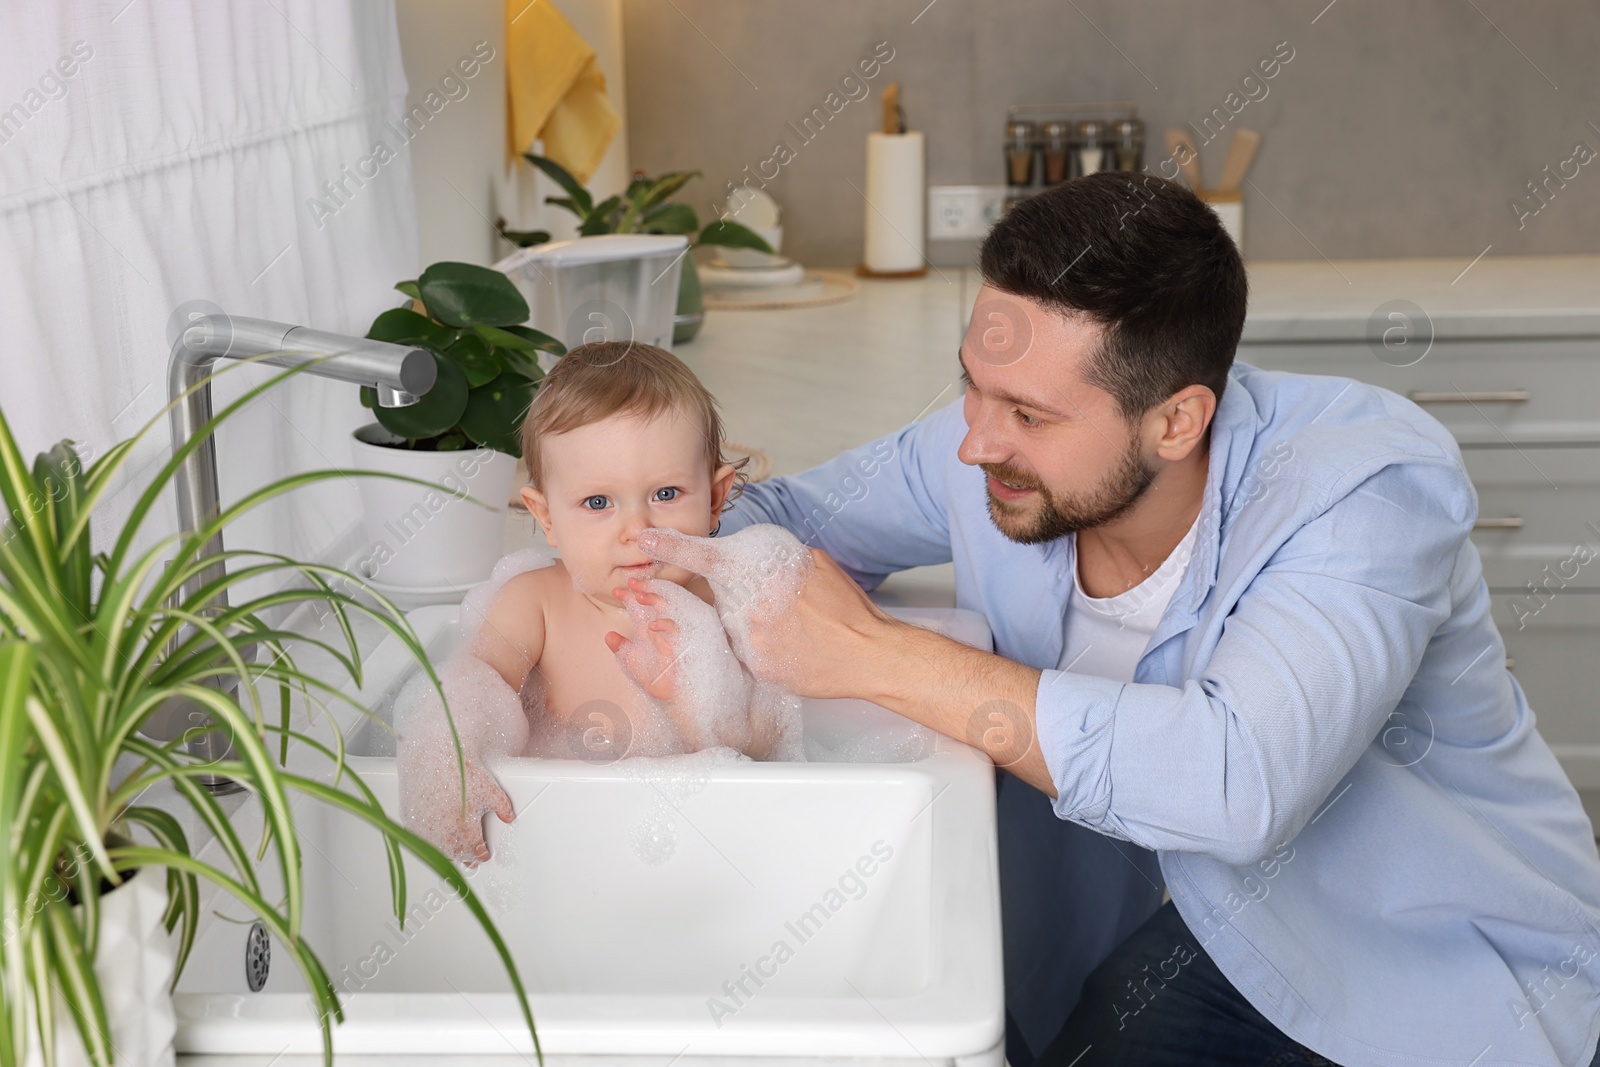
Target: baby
[(570, 662)]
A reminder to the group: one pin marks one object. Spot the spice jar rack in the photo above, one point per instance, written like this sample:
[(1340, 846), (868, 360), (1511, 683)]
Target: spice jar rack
[(1047, 144)]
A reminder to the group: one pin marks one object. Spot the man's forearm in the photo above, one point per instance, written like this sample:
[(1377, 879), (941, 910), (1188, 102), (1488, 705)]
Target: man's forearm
[(976, 697)]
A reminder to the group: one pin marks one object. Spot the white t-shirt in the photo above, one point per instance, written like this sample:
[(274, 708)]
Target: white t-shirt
[(1107, 636)]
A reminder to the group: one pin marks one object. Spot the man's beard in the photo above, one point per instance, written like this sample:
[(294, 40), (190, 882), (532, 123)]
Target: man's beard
[(1050, 516)]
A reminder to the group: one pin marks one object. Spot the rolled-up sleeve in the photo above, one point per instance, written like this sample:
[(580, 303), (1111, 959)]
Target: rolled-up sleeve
[(1316, 653), (875, 509)]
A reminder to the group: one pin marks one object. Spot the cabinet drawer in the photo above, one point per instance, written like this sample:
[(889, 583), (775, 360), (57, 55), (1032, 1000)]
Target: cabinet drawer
[(1485, 391), (1535, 507), (1555, 654)]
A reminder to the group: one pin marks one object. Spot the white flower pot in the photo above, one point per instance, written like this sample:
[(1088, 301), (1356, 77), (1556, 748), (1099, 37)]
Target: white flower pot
[(426, 539), (133, 961)]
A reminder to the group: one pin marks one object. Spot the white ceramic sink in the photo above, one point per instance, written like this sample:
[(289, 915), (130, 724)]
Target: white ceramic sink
[(657, 909)]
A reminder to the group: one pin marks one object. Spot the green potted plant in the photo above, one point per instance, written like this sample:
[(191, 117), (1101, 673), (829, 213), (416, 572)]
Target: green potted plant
[(644, 208), (462, 437), (95, 639)]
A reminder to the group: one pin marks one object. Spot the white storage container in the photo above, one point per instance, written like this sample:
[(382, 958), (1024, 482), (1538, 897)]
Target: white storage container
[(614, 287)]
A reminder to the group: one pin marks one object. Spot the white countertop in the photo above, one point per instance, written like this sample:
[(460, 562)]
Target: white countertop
[(1496, 296)]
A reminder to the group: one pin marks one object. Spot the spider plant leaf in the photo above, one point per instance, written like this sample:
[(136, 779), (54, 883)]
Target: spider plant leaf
[(316, 977), (72, 966), (582, 202), (59, 475), (183, 889), (397, 870), (36, 947), (436, 861), (182, 775), (269, 789), (70, 784)]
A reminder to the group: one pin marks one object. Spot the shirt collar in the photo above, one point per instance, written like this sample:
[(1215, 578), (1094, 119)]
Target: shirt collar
[(1233, 436)]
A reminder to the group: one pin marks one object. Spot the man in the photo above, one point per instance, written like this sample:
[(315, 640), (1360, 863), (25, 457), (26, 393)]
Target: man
[(1240, 623)]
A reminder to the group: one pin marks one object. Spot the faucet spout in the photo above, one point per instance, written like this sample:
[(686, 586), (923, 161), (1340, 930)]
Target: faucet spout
[(399, 373)]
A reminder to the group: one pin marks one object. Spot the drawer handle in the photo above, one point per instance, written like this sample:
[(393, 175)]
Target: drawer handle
[(1492, 396), (1509, 522)]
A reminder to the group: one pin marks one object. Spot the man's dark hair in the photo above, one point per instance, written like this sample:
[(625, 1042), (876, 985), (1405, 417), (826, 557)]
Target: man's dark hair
[(1143, 257)]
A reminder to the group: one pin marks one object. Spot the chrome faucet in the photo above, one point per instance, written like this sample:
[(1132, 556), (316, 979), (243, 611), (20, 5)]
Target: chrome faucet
[(400, 374)]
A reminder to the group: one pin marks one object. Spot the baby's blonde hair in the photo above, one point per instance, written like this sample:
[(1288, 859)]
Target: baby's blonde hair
[(595, 381)]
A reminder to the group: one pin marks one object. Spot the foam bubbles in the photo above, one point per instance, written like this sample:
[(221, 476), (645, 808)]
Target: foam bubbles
[(755, 576), (489, 721), (711, 705)]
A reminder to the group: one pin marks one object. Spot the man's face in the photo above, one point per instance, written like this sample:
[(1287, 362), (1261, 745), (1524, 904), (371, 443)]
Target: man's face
[(1034, 424)]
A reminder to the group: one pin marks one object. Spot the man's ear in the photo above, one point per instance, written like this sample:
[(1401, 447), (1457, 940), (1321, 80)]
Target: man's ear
[(1181, 421), (539, 507)]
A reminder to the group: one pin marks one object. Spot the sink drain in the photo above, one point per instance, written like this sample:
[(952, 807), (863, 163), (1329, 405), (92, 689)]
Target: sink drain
[(257, 957)]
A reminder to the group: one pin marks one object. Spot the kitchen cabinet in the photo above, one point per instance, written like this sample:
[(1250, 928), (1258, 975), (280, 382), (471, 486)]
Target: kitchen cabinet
[(1509, 365)]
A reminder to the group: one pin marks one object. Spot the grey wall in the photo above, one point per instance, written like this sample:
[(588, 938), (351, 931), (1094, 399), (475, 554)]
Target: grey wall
[(1400, 128)]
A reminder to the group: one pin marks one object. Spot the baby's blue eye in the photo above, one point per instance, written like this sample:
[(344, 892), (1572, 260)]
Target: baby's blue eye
[(592, 499), (667, 489)]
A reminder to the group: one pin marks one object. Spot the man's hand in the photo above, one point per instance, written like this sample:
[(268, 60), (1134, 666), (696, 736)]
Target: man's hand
[(791, 613)]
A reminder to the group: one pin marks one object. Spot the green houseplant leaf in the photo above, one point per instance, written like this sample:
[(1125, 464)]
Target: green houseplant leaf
[(476, 359), (478, 336), (670, 218), (461, 294), (581, 200), (495, 412), (730, 234), (402, 326)]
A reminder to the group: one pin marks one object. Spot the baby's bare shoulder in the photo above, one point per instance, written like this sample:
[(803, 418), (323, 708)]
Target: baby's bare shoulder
[(512, 637)]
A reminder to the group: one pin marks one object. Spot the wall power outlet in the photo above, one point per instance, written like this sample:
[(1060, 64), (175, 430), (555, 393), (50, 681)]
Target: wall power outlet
[(960, 212)]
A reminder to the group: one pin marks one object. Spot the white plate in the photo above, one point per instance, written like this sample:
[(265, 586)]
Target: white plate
[(715, 276)]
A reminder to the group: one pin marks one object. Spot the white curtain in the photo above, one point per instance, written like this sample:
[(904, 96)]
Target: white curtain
[(156, 153)]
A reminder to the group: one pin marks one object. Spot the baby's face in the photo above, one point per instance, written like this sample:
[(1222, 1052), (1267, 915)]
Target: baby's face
[(607, 481)]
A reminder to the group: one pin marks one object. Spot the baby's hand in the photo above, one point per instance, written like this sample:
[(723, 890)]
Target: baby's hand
[(651, 658), (685, 663), (431, 804)]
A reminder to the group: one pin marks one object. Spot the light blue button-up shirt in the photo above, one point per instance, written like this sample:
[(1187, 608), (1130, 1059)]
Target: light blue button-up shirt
[(1353, 810)]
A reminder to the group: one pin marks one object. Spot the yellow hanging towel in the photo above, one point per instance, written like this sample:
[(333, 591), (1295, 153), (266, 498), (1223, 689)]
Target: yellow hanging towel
[(555, 90)]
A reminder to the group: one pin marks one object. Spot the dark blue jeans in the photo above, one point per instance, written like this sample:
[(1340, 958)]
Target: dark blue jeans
[(1194, 1018)]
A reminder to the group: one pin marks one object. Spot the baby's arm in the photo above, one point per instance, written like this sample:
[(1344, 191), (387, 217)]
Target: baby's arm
[(481, 683)]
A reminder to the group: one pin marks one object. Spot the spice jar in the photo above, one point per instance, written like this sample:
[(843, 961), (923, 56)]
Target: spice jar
[(1057, 148), (1091, 153), (1019, 153), (1129, 140)]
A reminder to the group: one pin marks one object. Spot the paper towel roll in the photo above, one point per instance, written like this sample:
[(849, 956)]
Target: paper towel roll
[(896, 203)]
